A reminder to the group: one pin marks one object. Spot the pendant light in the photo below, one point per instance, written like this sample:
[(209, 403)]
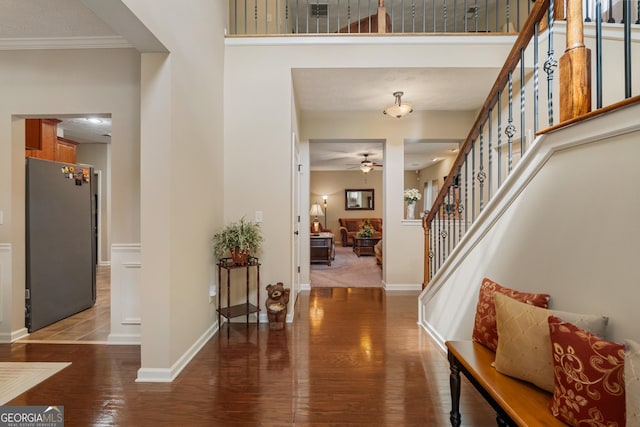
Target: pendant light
[(398, 109)]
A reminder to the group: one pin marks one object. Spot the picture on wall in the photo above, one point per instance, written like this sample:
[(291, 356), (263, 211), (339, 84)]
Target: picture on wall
[(359, 199)]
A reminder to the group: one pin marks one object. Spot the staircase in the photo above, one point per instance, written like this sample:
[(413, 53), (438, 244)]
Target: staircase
[(544, 209), (565, 222)]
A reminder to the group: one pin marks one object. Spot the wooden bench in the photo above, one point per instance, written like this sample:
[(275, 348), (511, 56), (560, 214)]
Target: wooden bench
[(517, 403)]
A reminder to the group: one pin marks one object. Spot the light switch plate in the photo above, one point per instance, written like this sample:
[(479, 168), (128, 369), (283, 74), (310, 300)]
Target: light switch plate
[(258, 216), (1, 217)]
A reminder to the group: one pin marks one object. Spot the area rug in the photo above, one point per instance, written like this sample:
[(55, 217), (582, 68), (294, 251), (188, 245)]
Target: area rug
[(347, 270), (18, 377)]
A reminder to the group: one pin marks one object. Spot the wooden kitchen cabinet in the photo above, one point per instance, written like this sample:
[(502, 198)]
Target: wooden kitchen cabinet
[(42, 141), (65, 151)]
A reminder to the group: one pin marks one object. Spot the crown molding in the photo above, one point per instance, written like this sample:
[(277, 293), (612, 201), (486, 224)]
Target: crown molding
[(95, 42)]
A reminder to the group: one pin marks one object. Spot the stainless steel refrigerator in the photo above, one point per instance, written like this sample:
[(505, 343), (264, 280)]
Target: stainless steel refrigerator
[(60, 241)]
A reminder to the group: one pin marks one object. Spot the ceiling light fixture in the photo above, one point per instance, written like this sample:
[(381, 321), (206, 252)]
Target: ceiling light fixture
[(366, 165), (398, 109)]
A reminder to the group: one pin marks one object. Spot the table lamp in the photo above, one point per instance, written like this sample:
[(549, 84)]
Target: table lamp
[(316, 210)]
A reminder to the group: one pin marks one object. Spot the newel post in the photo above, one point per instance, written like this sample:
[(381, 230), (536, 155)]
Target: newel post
[(426, 226), (575, 67), (382, 17)]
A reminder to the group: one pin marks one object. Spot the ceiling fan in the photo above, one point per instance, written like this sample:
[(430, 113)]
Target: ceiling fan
[(367, 165)]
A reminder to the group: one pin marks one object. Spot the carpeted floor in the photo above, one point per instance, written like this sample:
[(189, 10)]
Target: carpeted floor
[(18, 377), (347, 270)]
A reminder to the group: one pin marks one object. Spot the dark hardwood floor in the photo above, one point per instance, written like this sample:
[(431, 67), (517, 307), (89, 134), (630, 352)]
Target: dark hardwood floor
[(353, 357)]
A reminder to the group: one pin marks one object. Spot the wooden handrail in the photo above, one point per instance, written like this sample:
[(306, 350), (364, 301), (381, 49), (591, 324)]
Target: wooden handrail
[(526, 33), (574, 103), (592, 114), (538, 12)]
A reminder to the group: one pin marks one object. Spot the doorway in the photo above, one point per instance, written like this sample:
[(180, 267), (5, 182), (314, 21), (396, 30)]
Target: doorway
[(90, 137), (336, 168)]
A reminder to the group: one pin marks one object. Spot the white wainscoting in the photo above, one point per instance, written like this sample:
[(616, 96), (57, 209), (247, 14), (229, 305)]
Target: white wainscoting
[(125, 294), (7, 334)]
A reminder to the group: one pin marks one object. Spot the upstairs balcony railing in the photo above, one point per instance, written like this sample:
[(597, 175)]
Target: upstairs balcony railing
[(533, 94), (280, 17)]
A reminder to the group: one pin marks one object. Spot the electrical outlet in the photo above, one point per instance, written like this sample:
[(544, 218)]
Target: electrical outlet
[(269, 19), (1, 217)]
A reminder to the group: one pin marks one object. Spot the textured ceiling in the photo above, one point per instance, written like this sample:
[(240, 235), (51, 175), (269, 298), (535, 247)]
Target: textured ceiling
[(347, 154), (87, 129), (371, 89)]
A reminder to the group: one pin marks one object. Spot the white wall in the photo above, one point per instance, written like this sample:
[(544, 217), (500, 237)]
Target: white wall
[(182, 183), (55, 82), (436, 172), (403, 245), (333, 184), (258, 81), (564, 223), (612, 59)]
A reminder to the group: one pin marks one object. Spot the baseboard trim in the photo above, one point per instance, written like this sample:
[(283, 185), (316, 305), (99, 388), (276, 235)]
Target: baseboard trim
[(14, 336), (123, 339), (154, 375), (402, 287), (305, 286), (439, 340), (167, 375)]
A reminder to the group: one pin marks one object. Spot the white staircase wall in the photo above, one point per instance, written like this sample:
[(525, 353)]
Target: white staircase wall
[(565, 222)]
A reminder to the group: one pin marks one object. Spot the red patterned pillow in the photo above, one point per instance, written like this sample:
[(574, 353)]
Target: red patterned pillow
[(484, 328), (588, 377)]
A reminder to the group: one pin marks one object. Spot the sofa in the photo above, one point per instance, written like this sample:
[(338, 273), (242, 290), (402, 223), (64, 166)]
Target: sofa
[(349, 227)]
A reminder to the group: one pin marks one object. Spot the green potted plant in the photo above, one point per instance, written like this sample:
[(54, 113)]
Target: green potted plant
[(239, 239)]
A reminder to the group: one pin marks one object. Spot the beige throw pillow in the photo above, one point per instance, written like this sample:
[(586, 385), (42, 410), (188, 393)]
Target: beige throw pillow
[(632, 381), (524, 344)]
